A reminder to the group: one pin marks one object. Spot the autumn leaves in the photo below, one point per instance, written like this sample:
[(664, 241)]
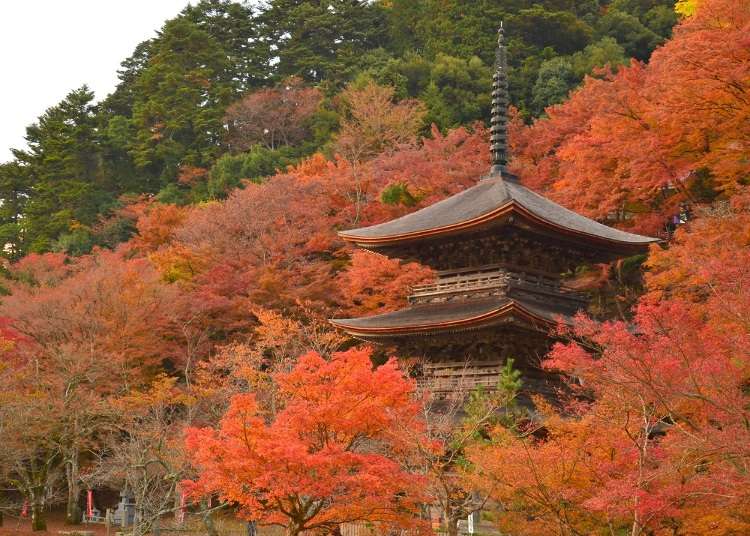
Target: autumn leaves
[(330, 450)]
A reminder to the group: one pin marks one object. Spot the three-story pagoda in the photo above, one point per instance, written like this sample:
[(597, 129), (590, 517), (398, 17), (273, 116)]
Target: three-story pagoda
[(499, 251)]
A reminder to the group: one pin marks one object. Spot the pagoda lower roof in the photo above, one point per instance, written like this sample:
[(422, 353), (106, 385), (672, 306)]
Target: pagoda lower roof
[(453, 317), (490, 200)]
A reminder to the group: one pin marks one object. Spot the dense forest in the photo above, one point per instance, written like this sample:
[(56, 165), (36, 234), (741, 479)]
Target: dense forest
[(171, 257), (228, 92)]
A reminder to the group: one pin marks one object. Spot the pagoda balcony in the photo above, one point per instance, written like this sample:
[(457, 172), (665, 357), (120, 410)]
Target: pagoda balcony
[(461, 377), (449, 376), (494, 280)]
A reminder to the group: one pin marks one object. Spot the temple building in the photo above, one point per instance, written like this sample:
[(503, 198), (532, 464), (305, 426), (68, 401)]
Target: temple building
[(499, 251)]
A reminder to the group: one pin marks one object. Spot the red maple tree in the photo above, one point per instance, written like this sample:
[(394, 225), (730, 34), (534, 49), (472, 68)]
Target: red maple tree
[(273, 117)]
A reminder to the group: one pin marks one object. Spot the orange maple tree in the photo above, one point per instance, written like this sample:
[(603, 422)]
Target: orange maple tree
[(331, 455), (631, 146), (543, 480), (656, 436), (711, 253), (374, 124), (376, 283)]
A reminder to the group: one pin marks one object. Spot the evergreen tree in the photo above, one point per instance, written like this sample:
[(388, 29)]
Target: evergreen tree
[(179, 102), (606, 51), (63, 162), (236, 28), (537, 31), (451, 27), (322, 39), (120, 102), (457, 93), (657, 15), (637, 40), (455, 90), (14, 192), (555, 80), (242, 64), (558, 76), (233, 25)]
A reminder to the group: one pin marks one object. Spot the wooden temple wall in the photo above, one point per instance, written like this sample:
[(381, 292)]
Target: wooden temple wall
[(513, 248), (464, 361)]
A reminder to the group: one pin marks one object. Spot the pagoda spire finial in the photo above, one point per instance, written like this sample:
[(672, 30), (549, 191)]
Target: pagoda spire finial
[(500, 100)]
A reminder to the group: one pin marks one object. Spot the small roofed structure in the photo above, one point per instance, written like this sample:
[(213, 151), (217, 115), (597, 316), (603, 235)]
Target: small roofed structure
[(499, 250)]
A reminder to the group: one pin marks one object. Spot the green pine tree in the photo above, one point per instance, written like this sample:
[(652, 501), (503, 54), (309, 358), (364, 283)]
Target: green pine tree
[(14, 193), (322, 40), (235, 26), (66, 187), (179, 101)]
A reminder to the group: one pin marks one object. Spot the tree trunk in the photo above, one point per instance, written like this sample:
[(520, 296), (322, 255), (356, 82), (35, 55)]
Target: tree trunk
[(292, 530), (72, 476), (451, 525), (140, 526), (209, 525), (38, 520), (451, 516), (178, 510), (208, 520), (35, 492)]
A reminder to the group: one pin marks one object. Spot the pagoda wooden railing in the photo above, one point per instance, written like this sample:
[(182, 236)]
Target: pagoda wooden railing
[(445, 379), (483, 278), (453, 376)]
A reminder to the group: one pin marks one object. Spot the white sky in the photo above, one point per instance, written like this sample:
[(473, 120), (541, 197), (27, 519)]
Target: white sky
[(49, 47)]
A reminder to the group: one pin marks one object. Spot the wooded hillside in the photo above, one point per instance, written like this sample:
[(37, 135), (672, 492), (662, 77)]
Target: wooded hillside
[(173, 128), (171, 252)]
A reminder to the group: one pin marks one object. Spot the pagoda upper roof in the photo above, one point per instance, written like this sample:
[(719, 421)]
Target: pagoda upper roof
[(455, 316), (491, 201)]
